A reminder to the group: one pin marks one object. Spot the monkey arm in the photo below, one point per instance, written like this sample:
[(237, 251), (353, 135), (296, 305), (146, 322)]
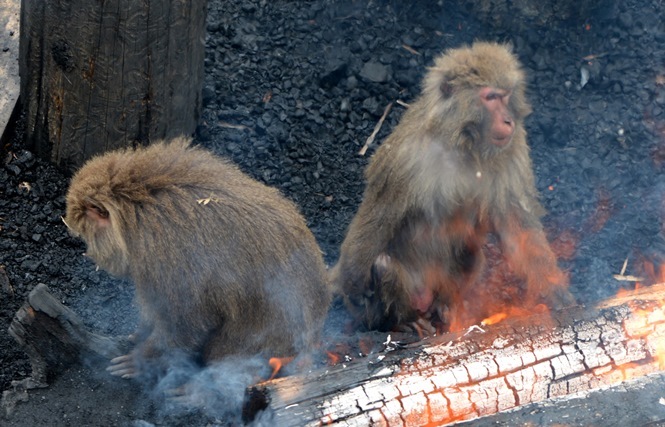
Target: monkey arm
[(365, 271)]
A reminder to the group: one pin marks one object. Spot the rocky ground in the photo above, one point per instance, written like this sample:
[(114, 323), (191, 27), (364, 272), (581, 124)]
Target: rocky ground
[(292, 91)]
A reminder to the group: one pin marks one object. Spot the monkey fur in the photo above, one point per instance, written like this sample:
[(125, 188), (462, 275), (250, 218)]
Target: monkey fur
[(222, 264), (455, 170)]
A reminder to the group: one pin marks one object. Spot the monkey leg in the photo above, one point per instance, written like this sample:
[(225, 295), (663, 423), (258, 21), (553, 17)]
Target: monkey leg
[(388, 305), (407, 298)]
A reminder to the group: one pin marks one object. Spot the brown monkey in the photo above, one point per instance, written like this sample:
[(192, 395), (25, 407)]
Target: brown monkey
[(222, 264), (454, 170)]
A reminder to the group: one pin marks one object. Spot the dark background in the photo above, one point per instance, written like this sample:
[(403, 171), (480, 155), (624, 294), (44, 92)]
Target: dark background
[(292, 91)]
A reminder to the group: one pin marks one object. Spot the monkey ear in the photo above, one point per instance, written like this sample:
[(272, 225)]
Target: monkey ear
[(446, 89), (97, 213)]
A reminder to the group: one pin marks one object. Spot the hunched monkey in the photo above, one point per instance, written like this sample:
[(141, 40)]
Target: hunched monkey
[(222, 264)]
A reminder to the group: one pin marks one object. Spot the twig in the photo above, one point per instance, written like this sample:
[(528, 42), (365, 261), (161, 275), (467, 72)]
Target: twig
[(410, 49), (376, 130), (402, 103), (629, 278), (232, 126), (626, 278), (594, 56)]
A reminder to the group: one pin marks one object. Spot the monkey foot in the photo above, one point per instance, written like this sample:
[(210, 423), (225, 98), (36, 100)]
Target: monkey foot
[(123, 366), (181, 395), (423, 327)]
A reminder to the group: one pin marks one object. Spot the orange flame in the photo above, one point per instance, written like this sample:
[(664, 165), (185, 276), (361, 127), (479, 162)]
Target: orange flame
[(564, 245), (654, 274), (603, 212), (514, 312), (276, 363), (333, 358), (494, 319)]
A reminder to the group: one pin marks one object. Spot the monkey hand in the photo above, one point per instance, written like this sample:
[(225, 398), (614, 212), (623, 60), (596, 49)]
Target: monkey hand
[(421, 326), (429, 323)]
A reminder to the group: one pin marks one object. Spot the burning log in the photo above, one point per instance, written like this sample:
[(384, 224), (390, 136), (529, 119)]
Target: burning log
[(464, 376)]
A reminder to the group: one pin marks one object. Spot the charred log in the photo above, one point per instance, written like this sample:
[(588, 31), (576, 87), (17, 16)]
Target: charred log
[(485, 371), (53, 337)]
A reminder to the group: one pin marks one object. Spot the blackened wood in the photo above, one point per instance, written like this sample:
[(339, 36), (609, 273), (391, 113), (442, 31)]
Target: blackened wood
[(98, 75), (54, 337)]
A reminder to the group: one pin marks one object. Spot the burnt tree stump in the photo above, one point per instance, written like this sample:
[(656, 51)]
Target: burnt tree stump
[(53, 337), (102, 75)]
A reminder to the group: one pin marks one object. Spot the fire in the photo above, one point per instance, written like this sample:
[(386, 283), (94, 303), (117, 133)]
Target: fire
[(276, 364), (565, 245), (654, 274), (645, 320), (603, 211), (499, 294), (494, 319), (333, 359), (514, 312)]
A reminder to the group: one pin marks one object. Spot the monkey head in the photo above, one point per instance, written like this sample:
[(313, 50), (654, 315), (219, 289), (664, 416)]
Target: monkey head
[(482, 88), (98, 212)]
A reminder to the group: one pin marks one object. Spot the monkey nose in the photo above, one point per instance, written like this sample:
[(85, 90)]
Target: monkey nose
[(502, 132)]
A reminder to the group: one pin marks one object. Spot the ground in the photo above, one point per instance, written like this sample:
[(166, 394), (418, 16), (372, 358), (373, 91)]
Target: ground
[(292, 91)]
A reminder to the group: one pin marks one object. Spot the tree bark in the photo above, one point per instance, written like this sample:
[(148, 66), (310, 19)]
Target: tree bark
[(101, 75), (461, 377)]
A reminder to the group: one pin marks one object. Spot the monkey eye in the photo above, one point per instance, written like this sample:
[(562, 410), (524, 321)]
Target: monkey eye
[(492, 96), (100, 212)]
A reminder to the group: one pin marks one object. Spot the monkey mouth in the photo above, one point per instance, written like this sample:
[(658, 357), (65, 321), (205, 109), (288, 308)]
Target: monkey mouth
[(501, 141)]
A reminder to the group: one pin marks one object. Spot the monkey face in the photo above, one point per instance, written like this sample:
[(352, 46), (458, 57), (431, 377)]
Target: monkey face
[(97, 224), (500, 125)]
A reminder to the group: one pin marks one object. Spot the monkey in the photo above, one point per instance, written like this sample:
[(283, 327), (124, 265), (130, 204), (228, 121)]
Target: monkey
[(454, 171), (222, 264)]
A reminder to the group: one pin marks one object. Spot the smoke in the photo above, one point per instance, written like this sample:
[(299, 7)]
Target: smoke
[(218, 390)]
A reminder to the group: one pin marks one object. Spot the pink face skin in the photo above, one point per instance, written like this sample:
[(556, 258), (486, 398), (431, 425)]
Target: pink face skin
[(502, 124)]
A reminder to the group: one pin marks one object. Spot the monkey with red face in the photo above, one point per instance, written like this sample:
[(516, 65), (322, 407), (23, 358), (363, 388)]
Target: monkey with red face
[(455, 170)]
